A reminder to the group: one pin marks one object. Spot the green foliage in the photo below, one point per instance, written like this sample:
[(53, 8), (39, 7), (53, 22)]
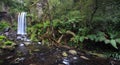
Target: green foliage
[(113, 43), (114, 55), (37, 30), (66, 15), (14, 5), (100, 37), (33, 37), (2, 39), (78, 39), (8, 43), (104, 27), (46, 24), (32, 32), (4, 42), (3, 25), (58, 6)]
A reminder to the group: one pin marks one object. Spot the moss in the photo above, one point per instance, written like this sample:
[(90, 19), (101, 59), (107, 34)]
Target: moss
[(1, 62), (8, 43)]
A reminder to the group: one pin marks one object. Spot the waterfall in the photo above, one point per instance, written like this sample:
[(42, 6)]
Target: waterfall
[(21, 27), (21, 30)]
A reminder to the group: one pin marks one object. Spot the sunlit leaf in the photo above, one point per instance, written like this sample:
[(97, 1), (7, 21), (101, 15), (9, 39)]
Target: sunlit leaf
[(118, 40), (107, 41), (82, 38), (113, 43)]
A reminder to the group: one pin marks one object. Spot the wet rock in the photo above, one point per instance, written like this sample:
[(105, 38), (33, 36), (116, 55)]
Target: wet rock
[(40, 43), (73, 52), (27, 43), (66, 61), (75, 58), (112, 62), (7, 29), (18, 60), (22, 50), (64, 54), (22, 38), (11, 36), (6, 33)]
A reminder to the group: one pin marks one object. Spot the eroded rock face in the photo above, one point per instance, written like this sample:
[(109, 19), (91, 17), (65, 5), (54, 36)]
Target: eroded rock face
[(2, 15), (38, 7), (11, 35)]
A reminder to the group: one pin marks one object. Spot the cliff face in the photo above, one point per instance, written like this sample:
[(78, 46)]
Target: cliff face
[(37, 9), (3, 7)]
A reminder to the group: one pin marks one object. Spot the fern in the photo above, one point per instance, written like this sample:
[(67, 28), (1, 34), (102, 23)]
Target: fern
[(114, 55)]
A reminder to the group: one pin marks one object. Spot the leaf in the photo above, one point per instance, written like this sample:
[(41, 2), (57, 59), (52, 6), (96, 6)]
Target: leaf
[(118, 40), (97, 39), (82, 38), (113, 43), (107, 41), (101, 38), (76, 39), (92, 37)]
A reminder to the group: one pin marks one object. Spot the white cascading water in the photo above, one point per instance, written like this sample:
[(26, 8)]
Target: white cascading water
[(22, 24), (21, 30)]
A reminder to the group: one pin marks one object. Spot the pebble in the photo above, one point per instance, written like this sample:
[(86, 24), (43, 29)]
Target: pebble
[(73, 52), (64, 54), (39, 43), (75, 58), (21, 45)]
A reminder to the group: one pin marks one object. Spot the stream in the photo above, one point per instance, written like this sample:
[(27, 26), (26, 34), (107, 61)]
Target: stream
[(36, 54)]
